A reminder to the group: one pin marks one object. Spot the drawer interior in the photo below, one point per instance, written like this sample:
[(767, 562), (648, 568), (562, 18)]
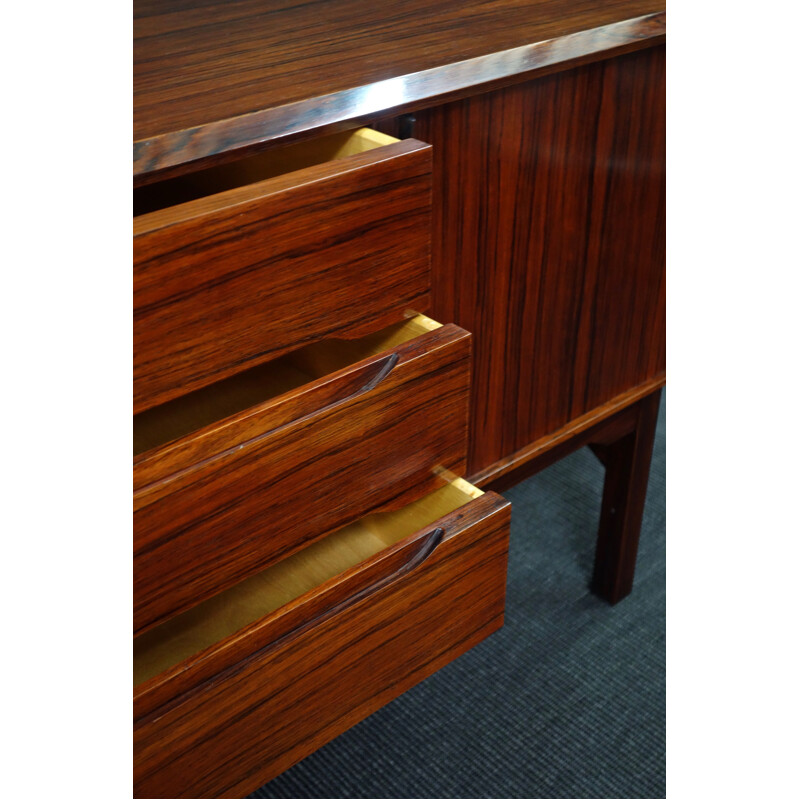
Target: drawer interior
[(256, 168), (228, 612), (194, 411)]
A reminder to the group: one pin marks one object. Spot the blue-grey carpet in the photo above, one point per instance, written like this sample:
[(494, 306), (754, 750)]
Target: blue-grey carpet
[(567, 700)]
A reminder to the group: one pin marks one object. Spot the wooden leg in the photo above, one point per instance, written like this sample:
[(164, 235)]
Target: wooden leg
[(623, 443), (627, 463)]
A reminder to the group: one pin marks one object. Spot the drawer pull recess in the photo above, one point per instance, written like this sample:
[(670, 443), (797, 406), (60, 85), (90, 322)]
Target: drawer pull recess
[(391, 571), (329, 395)]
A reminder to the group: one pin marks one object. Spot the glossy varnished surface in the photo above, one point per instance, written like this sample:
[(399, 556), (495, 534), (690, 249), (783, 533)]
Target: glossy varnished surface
[(238, 730), (548, 245), (231, 280), (276, 480), (213, 77)]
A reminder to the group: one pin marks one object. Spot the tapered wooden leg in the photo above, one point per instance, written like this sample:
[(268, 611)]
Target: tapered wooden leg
[(627, 463)]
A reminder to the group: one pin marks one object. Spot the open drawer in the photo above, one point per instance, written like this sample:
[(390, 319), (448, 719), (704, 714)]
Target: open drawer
[(238, 689), (241, 474), (243, 262)]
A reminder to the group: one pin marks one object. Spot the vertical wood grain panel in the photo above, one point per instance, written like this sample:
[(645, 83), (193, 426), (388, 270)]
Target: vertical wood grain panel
[(548, 243), (623, 325)]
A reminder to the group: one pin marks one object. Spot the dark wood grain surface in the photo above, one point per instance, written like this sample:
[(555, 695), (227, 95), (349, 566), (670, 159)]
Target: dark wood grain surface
[(229, 281), (548, 245), (238, 730), (279, 485), (214, 77)]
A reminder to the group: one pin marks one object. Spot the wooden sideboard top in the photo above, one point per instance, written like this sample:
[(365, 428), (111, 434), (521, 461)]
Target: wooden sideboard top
[(214, 78)]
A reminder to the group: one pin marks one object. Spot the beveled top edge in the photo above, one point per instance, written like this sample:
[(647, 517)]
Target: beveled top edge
[(184, 150)]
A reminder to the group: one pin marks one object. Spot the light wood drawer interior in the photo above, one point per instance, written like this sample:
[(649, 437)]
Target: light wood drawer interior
[(256, 168), (234, 609)]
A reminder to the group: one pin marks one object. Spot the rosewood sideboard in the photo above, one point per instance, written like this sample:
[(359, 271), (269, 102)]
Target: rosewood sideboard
[(389, 259)]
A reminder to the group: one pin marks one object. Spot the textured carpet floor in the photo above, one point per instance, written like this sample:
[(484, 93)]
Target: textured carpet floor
[(567, 700)]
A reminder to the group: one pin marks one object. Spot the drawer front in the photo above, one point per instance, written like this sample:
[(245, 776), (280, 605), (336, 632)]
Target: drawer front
[(224, 282), (365, 640), (216, 507)]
